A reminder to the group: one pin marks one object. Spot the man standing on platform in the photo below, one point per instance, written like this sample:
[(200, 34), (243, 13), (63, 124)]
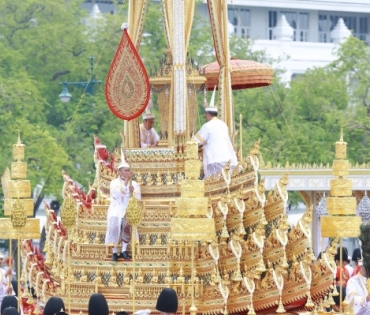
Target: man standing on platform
[(357, 293), (215, 139), (148, 136), (121, 189)]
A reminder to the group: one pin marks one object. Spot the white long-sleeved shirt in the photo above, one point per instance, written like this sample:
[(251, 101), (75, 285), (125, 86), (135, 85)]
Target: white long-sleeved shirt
[(148, 137), (356, 293)]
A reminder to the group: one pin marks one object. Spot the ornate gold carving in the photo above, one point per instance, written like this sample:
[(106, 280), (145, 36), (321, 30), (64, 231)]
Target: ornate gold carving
[(18, 149), (344, 226), (19, 214), (340, 148), (19, 189), (192, 188), (27, 203), (19, 170), (198, 229), (30, 231), (191, 206), (276, 200), (134, 211), (340, 187), (341, 206), (191, 150), (68, 212), (340, 167), (192, 169), (299, 236)]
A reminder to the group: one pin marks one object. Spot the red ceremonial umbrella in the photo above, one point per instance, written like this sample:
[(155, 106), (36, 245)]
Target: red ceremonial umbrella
[(245, 74)]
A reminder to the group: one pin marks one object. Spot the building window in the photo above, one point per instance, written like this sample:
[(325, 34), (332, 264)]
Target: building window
[(363, 31), (297, 20), (240, 19), (272, 23), (357, 24), (296, 75), (324, 26)]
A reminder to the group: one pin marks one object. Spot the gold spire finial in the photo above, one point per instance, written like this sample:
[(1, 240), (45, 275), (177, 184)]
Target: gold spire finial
[(19, 137), (341, 147), (18, 149)]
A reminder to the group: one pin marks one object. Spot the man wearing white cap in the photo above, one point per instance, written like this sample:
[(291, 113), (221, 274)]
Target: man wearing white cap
[(148, 135), (121, 189), (214, 137)]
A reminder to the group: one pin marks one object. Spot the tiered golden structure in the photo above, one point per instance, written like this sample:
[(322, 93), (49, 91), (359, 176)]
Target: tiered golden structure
[(18, 204), (342, 220), (221, 243)]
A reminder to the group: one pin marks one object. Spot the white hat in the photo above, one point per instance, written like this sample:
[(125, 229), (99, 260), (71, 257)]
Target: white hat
[(143, 312), (1, 255), (148, 114), (212, 107), (123, 162)]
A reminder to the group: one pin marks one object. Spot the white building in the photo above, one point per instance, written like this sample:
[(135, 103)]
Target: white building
[(306, 31)]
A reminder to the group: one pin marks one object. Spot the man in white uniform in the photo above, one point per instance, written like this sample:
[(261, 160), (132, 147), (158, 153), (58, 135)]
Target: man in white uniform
[(217, 147), (148, 136), (356, 292), (117, 227), (5, 289)]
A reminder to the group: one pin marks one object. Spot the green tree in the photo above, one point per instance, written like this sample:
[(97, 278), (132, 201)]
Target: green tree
[(353, 66)]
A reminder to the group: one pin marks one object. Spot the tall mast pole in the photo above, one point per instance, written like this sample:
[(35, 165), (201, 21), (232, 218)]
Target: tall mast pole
[(179, 73), (228, 108)]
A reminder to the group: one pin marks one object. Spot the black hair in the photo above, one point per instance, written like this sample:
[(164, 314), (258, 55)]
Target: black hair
[(213, 114)]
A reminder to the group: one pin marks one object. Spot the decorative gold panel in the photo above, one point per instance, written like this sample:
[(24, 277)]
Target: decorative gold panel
[(28, 205), (343, 226), (30, 231), (192, 150), (199, 229), (340, 187), (274, 210), (18, 151), (19, 189), (19, 170), (341, 205), (192, 169), (340, 150), (340, 167), (192, 206), (192, 188)]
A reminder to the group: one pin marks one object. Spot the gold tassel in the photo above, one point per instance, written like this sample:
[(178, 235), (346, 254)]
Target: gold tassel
[(335, 291), (326, 302), (224, 233), (261, 266), (251, 308), (281, 308), (330, 300), (309, 302), (321, 307)]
